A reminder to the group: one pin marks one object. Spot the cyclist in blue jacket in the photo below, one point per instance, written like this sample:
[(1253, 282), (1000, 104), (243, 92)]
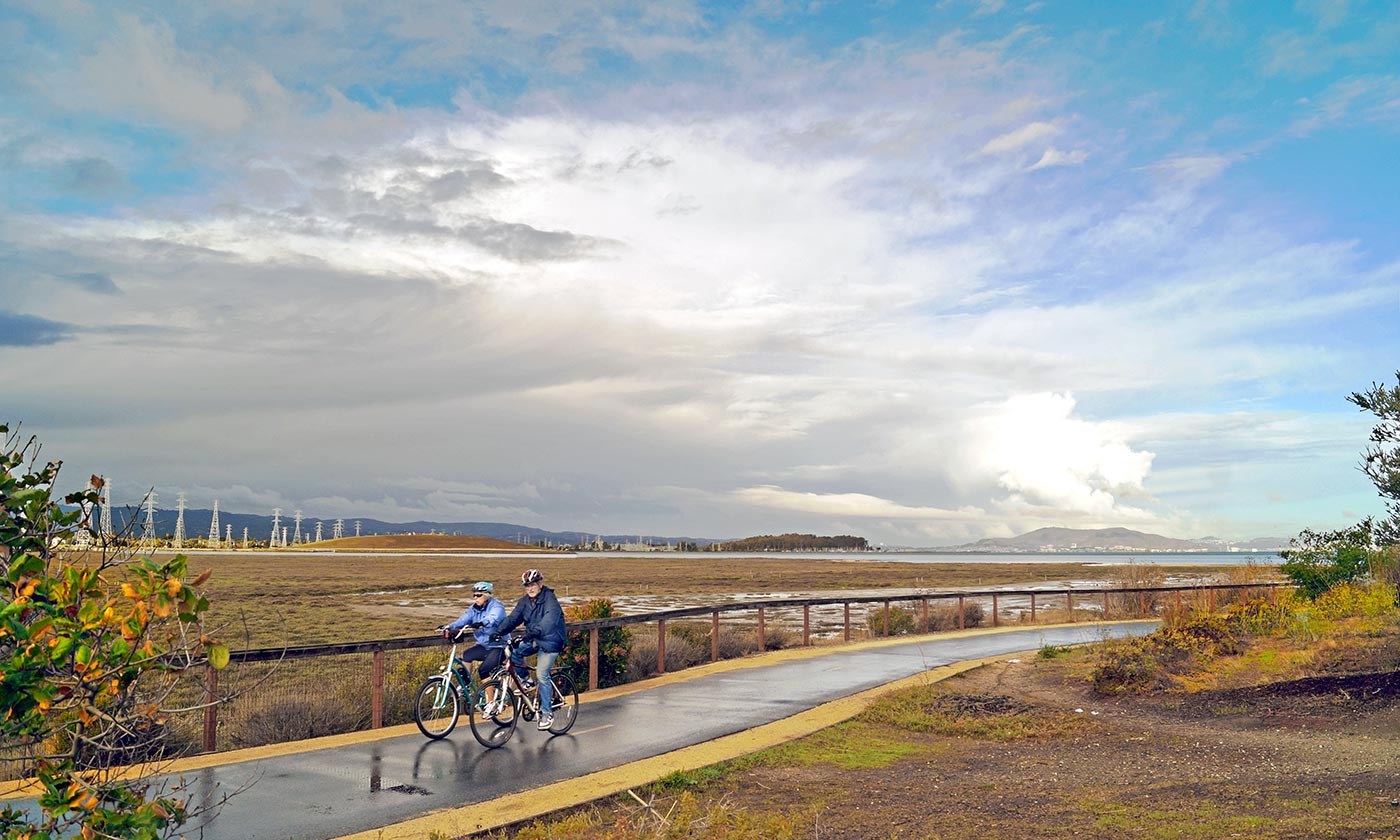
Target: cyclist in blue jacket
[(484, 618), (543, 618)]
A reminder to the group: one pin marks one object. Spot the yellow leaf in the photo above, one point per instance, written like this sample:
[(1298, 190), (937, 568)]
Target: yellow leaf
[(218, 656), (172, 587), (129, 591)]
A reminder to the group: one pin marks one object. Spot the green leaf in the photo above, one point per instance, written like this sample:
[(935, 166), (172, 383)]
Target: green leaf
[(218, 656)]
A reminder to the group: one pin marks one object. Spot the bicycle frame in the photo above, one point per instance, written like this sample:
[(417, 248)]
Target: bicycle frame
[(511, 682)]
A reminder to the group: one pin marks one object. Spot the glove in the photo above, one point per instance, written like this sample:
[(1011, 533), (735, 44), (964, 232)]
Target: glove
[(495, 637), (526, 638)]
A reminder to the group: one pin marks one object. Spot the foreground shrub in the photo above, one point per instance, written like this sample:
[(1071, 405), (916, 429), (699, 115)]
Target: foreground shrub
[(614, 644), (1319, 560), (1186, 642)]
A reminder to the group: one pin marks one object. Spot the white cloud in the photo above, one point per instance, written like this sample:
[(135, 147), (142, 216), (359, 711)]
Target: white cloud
[(1054, 157), (1044, 457), (1020, 138), (849, 505), (141, 70)]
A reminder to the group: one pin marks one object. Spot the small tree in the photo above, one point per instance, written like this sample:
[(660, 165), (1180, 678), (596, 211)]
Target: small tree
[(93, 645), (1316, 562), (1381, 461)]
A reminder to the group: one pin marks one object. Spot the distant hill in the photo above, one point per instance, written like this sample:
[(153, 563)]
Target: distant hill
[(1109, 539)]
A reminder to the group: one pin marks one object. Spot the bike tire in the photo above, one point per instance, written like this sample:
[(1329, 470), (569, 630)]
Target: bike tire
[(565, 703), (436, 707), (493, 732)]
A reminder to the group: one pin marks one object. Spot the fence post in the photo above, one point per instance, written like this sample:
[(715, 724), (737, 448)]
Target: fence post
[(887, 618), (1142, 604), (593, 659), (1105, 605), (847, 606), (211, 711), (962, 625), (1069, 604), (661, 646), (714, 635), (996, 611), (376, 714), (924, 610), (806, 624), (761, 639), (1032, 606)]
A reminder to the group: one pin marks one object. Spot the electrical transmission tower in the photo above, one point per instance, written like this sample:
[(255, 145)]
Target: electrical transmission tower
[(318, 532), (338, 530), (228, 537), (245, 537), (276, 526), (214, 527), (180, 521), (148, 528), (106, 529), (357, 527), (296, 535)]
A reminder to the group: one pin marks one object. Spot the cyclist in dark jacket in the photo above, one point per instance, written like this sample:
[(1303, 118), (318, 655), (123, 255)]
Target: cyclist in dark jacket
[(543, 618)]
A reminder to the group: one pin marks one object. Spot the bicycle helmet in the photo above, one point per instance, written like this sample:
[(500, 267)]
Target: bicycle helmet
[(482, 586), (531, 576)]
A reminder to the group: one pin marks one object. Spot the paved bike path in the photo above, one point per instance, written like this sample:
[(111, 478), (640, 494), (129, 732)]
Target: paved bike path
[(361, 787)]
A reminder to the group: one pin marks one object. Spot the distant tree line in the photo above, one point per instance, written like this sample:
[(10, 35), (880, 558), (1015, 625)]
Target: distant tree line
[(795, 542)]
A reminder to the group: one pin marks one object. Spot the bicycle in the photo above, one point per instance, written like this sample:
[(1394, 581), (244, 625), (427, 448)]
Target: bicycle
[(438, 704), (516, 700)]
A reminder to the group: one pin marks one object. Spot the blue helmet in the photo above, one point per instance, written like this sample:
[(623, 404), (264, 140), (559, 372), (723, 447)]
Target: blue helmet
[(482, 586)]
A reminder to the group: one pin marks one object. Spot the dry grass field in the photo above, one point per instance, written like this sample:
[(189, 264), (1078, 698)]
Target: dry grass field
[(265, 599)]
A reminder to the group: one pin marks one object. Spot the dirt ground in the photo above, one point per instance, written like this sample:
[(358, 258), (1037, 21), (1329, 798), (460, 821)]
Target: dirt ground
[(1317, 757)]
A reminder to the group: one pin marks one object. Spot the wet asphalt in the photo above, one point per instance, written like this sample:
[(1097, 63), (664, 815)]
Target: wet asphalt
[(331, 792)]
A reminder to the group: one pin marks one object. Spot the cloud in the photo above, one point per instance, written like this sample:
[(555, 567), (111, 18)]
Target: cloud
[(20, 330), (1021, 137), (1045, 458), (848, 505), (1055, 157), (140, 70)]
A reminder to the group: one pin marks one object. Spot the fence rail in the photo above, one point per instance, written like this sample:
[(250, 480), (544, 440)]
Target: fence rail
[(1105, 603)]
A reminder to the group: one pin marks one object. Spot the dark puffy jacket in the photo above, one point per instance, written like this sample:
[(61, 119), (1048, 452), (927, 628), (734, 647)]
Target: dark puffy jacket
[(543, 619)]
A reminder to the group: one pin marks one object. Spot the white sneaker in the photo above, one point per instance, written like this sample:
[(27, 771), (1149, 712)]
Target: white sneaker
[(491, 709), (546, 721)]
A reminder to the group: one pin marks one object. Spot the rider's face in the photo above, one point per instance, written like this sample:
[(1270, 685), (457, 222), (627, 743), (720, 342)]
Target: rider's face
[(532, 589)]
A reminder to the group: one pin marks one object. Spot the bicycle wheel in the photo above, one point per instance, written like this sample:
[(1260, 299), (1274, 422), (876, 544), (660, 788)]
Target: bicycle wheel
[(565, 703), (493, 731), (435, 708)]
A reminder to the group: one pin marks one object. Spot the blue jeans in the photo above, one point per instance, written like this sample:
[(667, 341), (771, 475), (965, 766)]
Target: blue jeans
[(543, 664)]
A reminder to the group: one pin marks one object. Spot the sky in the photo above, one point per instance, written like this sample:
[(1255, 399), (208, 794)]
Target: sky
[(923, 272)]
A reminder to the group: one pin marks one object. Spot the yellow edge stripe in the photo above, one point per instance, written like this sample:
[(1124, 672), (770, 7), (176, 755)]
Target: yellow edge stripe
[(24, 788)]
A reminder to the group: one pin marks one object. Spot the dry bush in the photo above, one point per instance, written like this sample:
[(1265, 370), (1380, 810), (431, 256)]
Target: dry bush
[(735, 642), (1134, 576), (681, 653), (945, 616), (252, 724)]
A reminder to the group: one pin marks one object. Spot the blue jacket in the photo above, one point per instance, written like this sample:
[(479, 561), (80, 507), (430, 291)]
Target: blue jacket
[(543, 619), (489, 617)]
